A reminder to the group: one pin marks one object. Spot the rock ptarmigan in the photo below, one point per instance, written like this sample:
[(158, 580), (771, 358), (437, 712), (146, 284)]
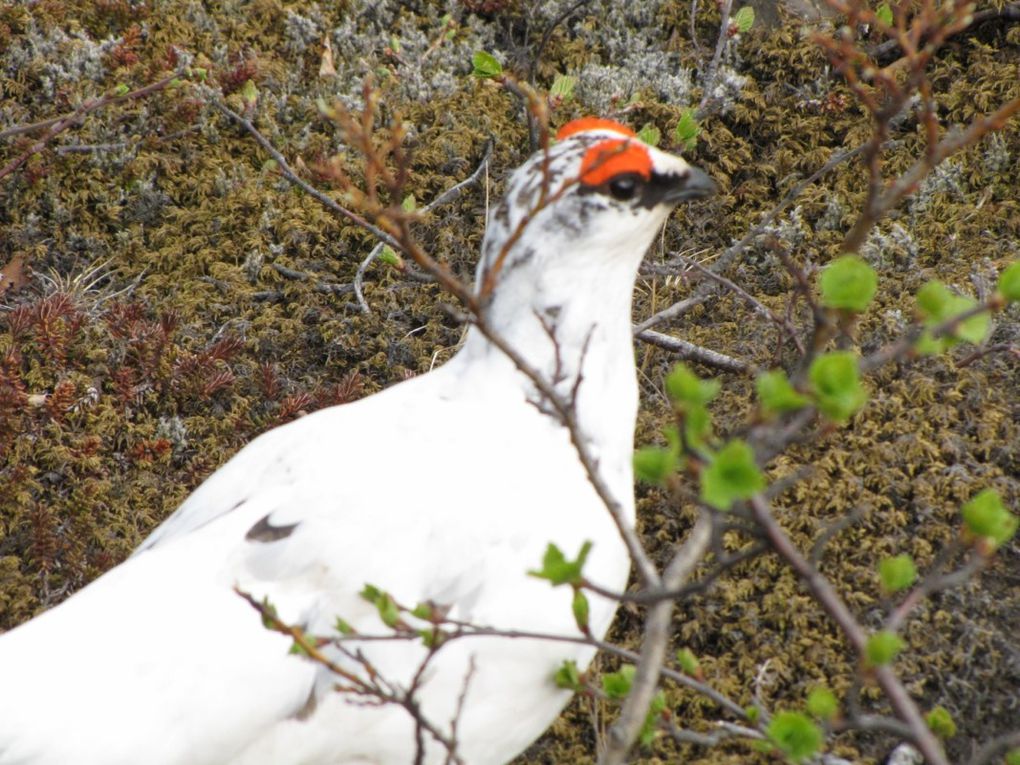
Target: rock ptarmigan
[(445, 488)]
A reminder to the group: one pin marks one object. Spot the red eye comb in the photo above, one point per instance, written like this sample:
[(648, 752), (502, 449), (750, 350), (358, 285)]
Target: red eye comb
[(593, 123), (615, 156)]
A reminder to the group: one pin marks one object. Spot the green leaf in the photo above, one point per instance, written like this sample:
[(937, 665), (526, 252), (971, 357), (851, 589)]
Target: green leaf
[(385, 604), (485, 65), (388, 611), (580, 609), (985, 516), (937, 304), (653, 464), (568, 676), (688, 662), (558, 570), (795, 735), (409, 204), (731, 475), (934, 301), (882, 647), (821, 703), (685, 388), (617, 684), (836, 385), (389, 256), (371, 593), (927, 345), (269, 615), (650, 134), (343, 627), (249, 93), (697, 427), (743, 19), (897, 573), (296, 649), (651, 725), (976, 328), (1013, 757), (941, 722), (776, 394), (423, 611), (1009, 281), (687, 130), (120, 90), (563, 86), (848, 283), (884, 14), (753, 713), (198, 73), (432, 637)]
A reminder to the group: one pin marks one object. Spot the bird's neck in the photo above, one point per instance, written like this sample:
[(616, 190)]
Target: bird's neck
[(582, 347)]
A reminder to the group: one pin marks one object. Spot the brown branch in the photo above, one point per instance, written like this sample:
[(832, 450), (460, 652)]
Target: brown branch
[(692, 352), (713, 67), (287, 172), (1009, 12), (57, 125), (995, 747), (827, 597), (908, 183)]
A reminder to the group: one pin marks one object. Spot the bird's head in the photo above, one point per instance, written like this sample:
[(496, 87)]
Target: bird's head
[(589, 205)]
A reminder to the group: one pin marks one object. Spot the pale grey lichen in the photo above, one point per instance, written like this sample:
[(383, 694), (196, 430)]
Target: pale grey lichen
[(946, 178), (301, 31), (727, 88), (997, 158), (790, 230), (416, 50), (606, 88), (883, 248), (55, 57), (831, 218), (173, 430)]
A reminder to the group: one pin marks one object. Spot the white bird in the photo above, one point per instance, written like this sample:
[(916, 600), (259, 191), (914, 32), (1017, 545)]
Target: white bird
[(444, 488)]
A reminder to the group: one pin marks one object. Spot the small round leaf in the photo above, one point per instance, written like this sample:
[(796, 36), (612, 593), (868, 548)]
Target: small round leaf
[(822, 703), (731, 475), (1009, 281), (795, 735), (897, 573), (848, 283), (882, 647)]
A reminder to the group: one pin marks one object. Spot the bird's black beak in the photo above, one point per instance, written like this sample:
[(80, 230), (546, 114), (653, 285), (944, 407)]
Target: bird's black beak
[(694, 185), (673, 188)]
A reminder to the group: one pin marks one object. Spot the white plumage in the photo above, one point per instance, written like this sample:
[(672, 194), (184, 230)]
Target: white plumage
[(447, 487)]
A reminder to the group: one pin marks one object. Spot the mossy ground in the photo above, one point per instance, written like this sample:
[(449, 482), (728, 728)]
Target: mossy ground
[(155, 319)]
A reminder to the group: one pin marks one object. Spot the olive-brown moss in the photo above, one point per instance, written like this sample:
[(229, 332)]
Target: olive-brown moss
[(166, 338)]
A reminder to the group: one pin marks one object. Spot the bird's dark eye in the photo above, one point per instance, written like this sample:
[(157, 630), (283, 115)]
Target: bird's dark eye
[(623, 187)]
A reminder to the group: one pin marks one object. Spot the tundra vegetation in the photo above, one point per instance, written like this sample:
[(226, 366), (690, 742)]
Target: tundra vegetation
[(217, 218)]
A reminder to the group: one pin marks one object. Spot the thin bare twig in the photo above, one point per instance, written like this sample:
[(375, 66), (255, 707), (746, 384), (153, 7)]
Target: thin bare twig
[(995, 747), (624, 731), (1009, 12), (713, 68), (447, 196), (692, 352), (724, 261), (287, 172), (57, 125)]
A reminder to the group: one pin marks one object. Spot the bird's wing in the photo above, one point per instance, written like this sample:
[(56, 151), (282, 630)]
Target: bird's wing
[(303, 517)]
